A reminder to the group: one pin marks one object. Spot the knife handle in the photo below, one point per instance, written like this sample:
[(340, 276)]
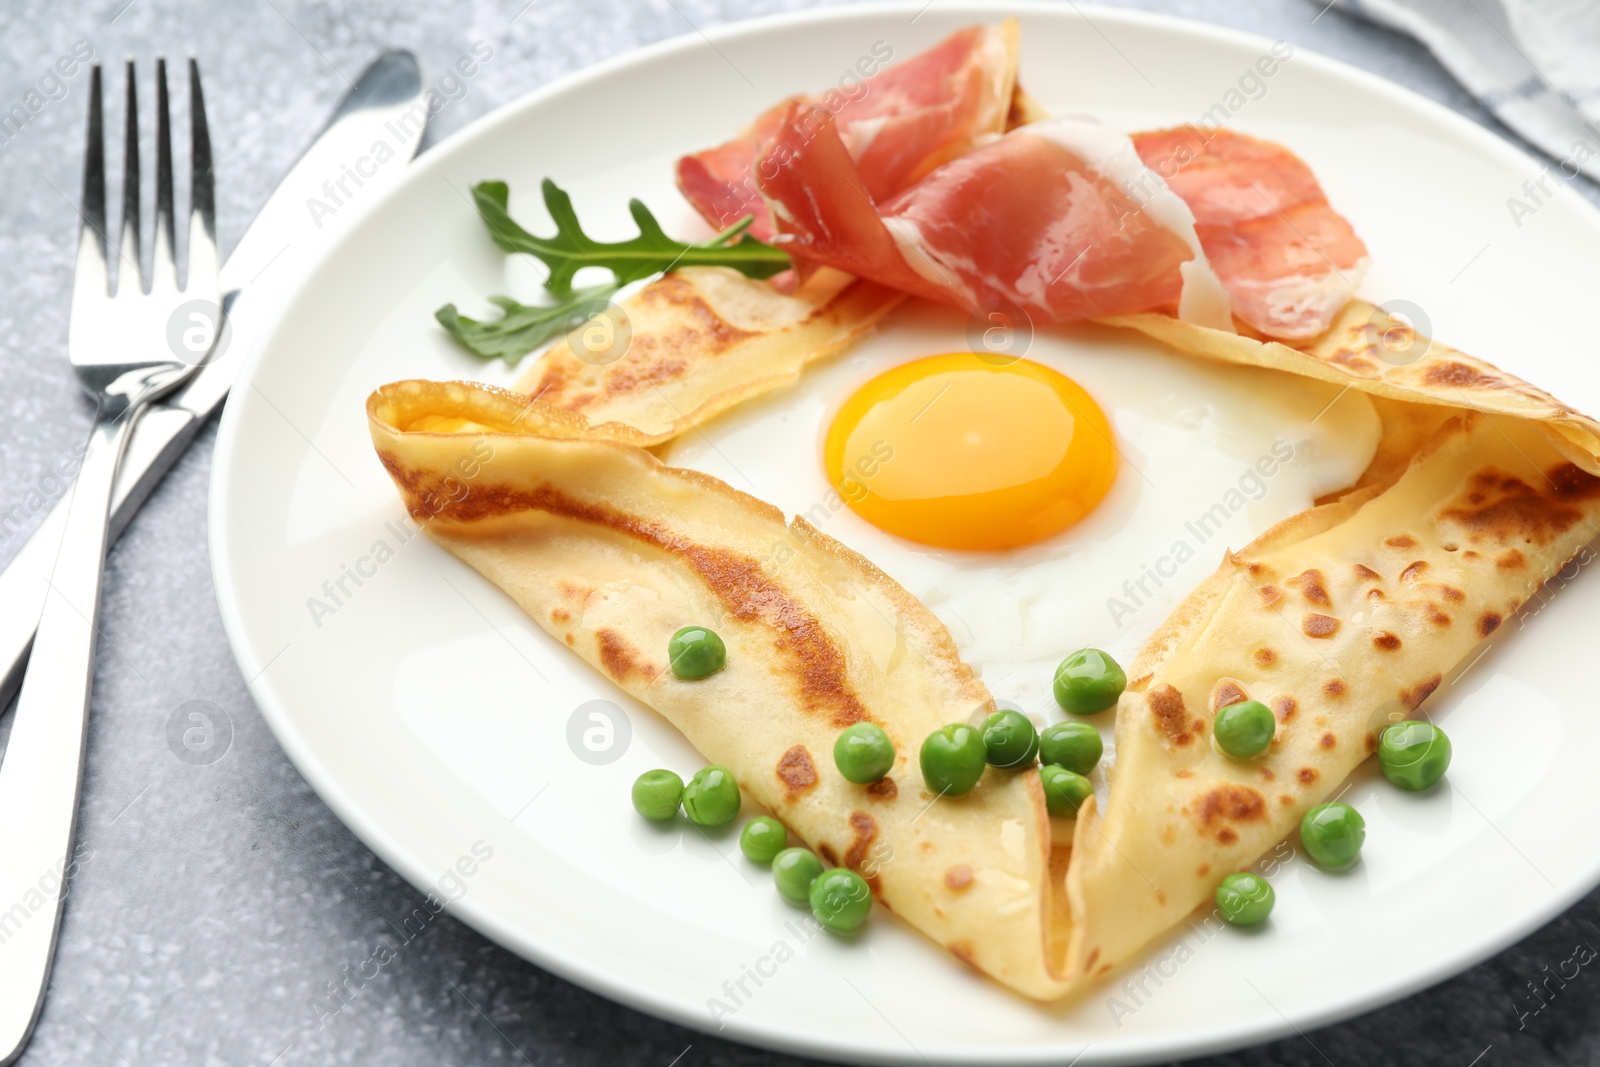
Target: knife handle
[(159, 437)]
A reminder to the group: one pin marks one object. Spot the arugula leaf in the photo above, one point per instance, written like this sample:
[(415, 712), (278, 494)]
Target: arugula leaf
[(652, 252), (523, 327)]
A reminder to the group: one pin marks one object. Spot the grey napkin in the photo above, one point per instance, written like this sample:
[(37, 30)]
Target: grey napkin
[(1534, 63)]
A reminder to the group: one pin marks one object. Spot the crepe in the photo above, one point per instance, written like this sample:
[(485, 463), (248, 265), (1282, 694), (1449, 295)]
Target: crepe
[(1342, 619), (611, 551), (1371, 350), (699, 340)]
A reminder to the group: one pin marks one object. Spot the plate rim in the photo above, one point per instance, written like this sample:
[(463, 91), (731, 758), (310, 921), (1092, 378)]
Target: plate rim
[(813, 1042)]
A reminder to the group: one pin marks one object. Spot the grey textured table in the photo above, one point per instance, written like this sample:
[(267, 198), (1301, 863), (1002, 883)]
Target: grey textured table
[(215, 906)]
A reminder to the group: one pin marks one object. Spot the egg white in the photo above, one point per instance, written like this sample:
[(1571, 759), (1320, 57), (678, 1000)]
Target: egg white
[(1201, 471)]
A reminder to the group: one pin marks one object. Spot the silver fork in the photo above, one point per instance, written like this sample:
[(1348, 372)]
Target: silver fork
[(127, 349)]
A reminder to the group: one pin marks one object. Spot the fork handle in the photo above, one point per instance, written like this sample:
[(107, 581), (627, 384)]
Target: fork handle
[(162, 435), (43, 764)]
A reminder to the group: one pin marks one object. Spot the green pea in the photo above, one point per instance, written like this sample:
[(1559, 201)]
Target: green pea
[(841, 900), (1413, 755), (1333, 834), (953, 758), (656, 794), (863, 753), (1009, 739), (1245, 899), (793, 871), (696, 652), (712, 797), (1088, 681), (1073, 745), (1064, 790), (762, 838), (1244, 729)]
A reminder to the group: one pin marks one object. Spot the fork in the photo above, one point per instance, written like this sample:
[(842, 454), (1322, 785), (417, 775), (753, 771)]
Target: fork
[(127, 349)]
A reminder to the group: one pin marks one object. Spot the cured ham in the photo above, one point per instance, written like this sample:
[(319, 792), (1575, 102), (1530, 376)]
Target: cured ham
[(1289, 260), (911, 181), (896, 125), (1058, 219)]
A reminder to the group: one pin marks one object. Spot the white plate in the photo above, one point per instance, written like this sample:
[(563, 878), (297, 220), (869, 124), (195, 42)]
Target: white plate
[(432, 716)]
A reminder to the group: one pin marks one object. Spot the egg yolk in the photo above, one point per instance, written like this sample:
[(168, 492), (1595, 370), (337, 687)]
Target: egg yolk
[(959, 452)]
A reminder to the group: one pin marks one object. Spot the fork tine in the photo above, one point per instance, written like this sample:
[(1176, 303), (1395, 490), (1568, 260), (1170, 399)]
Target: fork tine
[(128, 246), (91, 269), (163, 262), (202, 191)]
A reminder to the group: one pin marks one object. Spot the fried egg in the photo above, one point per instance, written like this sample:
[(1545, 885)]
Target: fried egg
[(1067, 499)]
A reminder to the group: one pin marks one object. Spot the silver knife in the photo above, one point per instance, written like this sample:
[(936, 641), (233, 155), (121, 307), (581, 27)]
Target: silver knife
[(339, 174)]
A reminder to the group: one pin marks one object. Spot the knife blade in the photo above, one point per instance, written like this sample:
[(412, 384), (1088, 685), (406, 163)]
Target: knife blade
[(340, 172)]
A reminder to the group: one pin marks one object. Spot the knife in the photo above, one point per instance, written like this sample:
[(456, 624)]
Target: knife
[(340, 173)]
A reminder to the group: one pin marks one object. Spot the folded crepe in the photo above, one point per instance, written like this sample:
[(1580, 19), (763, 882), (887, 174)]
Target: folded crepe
[(1342, 618), (611, 551), (697, 341)]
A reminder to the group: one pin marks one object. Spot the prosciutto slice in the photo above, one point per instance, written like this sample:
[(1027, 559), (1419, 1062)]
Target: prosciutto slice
[(1289, 261), (896, 125), (907, 178), (1058, 219)]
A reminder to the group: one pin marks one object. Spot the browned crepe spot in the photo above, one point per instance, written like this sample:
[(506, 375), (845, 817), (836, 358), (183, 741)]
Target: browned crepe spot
[(1419, 692), (1334, 687), (1265, 657), (1283, 707), (1311, 586), (865, 830), (1316, 624), (1489, 623), (883, 789), (1230, 803), (958, 877), (1166, 704), (1226, 693), (962, 950), (1386, 641), (1511, 508), (1459, 375), (620, 659), (796, 771)]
